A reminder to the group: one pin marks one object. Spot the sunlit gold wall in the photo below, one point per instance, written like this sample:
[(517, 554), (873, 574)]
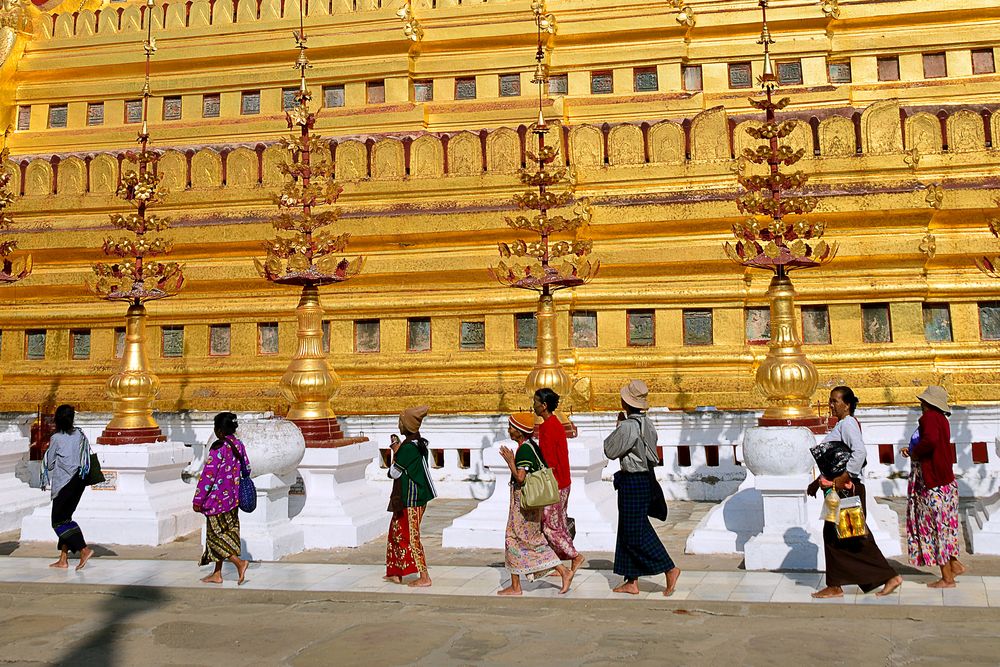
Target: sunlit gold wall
[(906, 169)]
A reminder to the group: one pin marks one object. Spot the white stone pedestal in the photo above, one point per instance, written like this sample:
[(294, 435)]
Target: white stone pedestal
[(770, 519), (983, 524), (142, 502), (342, 508), (485, 526), (592, 503), (267, 533), (17, 499)]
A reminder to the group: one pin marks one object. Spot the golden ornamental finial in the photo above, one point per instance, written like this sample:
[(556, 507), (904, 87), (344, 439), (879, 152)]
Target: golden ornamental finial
[(133, 277), (685, 13), (541, 275), (307, 256), (991, 265), (12, 269), (412, 29)]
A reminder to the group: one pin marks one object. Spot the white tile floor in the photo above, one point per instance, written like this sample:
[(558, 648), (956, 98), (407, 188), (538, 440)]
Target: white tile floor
[(737, 586)]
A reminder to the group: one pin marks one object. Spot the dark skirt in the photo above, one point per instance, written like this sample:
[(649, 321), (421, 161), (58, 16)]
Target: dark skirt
[(638, 551), (222, 537), (855, 560), (63, 506)]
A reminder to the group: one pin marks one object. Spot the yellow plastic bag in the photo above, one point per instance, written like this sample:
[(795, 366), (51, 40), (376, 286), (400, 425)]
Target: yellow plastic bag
[(851, 518)]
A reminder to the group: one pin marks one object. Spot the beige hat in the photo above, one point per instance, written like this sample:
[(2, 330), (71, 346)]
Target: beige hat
[(936, 397), (411, 418), (635, 393)]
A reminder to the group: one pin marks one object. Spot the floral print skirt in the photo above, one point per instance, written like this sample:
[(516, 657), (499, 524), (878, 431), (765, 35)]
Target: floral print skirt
[(931, 521), (526, 551)]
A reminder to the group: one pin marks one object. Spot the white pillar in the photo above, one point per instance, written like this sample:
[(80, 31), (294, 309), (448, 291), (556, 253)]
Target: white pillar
[(267, 533), (17, 499), (342, 508), (143, 500)]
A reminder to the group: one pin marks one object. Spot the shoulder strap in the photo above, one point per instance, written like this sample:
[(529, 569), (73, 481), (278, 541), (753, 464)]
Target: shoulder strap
[(538, 456), (645, 446), (236, 453)]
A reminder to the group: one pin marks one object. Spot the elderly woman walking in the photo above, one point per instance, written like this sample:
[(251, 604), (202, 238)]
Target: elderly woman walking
[(412, 489), (67, 461), (218, 499), (638, 551), (852, 560), (932, 497), (526, 551)]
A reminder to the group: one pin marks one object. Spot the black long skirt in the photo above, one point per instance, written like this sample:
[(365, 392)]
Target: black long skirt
[(63, 506), (638, 550), (855, 560)]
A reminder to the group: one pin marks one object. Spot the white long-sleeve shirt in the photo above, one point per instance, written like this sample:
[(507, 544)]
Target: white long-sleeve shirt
[(848, 431)]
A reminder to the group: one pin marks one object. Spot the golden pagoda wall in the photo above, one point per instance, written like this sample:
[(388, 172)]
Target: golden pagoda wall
[(427, 184)]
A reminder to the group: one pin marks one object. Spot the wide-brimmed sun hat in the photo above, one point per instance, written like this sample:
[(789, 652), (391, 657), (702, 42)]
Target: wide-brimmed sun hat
[(523, 422), (936, 397), (636, 394)]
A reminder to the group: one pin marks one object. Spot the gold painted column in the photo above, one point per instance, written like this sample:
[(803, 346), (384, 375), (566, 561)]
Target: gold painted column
[(547, 371), (133, 388), (787, 377)]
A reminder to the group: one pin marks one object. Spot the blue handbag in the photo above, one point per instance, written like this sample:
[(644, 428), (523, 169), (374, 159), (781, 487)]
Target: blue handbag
[(248, 491)]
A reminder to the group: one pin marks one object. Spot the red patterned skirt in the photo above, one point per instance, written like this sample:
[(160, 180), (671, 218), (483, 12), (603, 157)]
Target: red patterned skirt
[(404, 554)]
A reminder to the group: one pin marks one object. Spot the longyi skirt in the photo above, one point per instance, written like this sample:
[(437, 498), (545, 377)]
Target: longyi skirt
[(222, 538)]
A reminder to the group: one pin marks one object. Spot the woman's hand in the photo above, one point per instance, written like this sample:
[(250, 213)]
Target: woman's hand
[(507, 454), (621, 417), (905, 453), (394, 443), (813, 487), (842, 481), (196, 507)]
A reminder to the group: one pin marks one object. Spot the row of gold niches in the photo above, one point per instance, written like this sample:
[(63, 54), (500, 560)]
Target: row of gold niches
[(882, 128), (203, 13), (635, 328)]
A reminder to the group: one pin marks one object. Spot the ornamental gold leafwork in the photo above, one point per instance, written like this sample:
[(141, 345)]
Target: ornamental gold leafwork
[(13, 268)]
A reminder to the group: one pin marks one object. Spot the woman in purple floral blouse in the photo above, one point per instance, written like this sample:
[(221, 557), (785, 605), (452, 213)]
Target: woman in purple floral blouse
[(218, 496)]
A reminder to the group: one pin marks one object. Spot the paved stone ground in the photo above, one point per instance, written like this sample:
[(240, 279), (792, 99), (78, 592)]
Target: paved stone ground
[(108, 624)]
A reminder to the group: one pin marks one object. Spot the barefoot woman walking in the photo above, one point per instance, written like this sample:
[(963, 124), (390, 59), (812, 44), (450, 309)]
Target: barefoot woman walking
[(218, 499), (66, 462), (638, 552)]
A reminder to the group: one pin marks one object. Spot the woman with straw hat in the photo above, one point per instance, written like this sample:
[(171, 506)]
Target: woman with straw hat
[(526, 551), (932, 496), (638, 551)]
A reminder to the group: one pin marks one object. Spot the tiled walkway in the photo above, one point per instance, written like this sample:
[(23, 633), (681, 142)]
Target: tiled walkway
[(760, 587)]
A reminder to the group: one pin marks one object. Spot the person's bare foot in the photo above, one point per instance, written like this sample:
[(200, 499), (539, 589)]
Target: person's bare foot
[(577, 563), (422, 582), (941, 583), (510, 590), (829, 592), (630, 587), (61, 564), (957, 569), (672, 577), (890, 586), (242, 571), (567, 579), (214, 578), (393, 579), (85, 555)]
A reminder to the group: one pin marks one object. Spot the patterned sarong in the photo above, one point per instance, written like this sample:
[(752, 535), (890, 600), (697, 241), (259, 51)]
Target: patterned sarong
[(526, 552), (931, 521), (556, 528), (222, 539), (638, 551), (404, 554)]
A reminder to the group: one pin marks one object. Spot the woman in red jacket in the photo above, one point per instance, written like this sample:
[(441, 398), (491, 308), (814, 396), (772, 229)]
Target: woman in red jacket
[(932, 496)]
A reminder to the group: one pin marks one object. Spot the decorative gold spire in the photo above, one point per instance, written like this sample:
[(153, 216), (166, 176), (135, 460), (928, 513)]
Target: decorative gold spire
[(12, 269), (135, 279), (307, 258), (412, 29), (991, 265), (766, 240)]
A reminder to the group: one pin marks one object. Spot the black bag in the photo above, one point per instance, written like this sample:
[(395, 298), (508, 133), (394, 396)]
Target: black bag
[(657, 503), (831, 458), (94, 475)]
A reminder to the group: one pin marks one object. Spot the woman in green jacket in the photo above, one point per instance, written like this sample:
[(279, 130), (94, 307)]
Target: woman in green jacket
[(412, 488)]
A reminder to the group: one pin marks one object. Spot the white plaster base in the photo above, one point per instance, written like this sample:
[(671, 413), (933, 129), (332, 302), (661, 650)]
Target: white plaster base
[(592, 503), (983, 524), (17, 499), (267, 533), (143, 502), (770, 519), (342, 508)]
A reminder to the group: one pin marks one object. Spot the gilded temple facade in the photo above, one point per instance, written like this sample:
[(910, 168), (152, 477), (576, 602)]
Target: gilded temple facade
[(898, 105)]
